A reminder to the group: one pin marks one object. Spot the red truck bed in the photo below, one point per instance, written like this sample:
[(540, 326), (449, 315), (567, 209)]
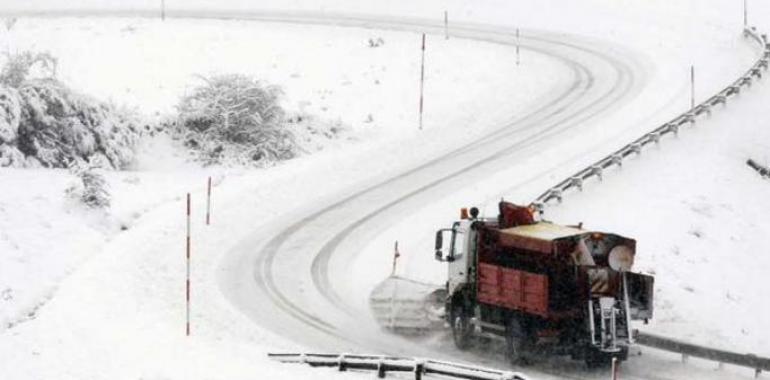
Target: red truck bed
[(513, 289)]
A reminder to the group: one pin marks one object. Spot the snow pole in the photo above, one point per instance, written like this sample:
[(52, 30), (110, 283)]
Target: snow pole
[(163, 10), (446, 25), (745, 14), (615, 369), (422, 77), (187, 298), (208, 202), (517, 47), (396, 255), (692, 88)]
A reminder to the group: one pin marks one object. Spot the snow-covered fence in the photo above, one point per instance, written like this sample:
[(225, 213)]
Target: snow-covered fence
[(384, 364), (672, 127), (757, 363), (762, 170)]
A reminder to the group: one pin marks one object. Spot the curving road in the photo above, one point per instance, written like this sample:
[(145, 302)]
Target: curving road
[(291, 278)]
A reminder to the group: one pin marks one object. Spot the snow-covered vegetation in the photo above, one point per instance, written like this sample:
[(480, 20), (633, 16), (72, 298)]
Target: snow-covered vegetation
[(120, 313), (235, 118), (43, 123)]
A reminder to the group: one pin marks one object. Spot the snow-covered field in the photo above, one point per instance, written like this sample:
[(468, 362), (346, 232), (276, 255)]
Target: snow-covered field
[(112, 286)]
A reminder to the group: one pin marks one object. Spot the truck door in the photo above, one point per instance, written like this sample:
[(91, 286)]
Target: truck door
[(459, 255)]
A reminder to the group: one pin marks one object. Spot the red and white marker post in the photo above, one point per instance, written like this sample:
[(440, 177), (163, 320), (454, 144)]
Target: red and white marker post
[(208, 202), (396, 255), (422, 76), (187, 300)]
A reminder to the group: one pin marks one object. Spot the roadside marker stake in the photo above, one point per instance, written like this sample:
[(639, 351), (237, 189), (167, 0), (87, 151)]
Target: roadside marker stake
[(396, 255), (208, 202), (446, 25), (692, 88), (188, 268), (163, 10), (422, 77), (745, 14), (615, 369), (517, 47)]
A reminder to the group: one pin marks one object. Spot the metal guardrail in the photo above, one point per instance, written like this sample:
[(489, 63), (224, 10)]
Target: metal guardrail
[(762, 170), (755, 362), (384, 364), (635, 148)]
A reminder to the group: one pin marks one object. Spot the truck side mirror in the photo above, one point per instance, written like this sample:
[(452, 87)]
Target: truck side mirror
[(439, 245)]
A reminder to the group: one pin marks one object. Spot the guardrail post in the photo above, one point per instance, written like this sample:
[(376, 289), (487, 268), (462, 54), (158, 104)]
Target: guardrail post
[(577, 182), (617, 160), (419, 369), (380, 369), (655, 137), (598, 171), (341, 365), (556, 194)]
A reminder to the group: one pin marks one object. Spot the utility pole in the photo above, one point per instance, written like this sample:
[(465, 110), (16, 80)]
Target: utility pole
[(422, 77)]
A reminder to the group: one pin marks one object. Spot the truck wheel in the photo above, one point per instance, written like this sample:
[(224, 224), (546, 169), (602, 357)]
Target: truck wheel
[(518, 347), (461, 327)]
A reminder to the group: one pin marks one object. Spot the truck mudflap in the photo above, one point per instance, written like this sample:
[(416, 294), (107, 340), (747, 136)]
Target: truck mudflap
[(640, 293)]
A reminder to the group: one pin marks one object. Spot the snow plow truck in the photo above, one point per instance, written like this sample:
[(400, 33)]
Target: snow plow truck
[(540, 287)]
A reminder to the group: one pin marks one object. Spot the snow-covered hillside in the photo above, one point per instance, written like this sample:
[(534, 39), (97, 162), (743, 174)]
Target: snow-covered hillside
[(85, 294)]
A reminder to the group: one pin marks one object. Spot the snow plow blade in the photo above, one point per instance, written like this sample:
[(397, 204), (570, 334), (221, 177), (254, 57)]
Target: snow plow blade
[(408, 307)]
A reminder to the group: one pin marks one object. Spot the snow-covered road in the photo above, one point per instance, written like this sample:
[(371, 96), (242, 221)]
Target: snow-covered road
[(305, 275), (291, 276), (294, 277)]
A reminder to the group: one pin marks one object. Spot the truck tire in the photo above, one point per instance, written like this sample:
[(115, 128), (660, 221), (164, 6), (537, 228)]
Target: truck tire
[(461, 327), (518, 343)]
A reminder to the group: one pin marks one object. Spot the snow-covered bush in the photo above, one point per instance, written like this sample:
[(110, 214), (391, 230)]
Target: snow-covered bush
[(92, 190), (21, 67), (9, 23), (44, 123), (235, 118)]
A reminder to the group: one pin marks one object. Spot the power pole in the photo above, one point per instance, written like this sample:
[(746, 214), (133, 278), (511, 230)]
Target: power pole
[(422, 77)]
